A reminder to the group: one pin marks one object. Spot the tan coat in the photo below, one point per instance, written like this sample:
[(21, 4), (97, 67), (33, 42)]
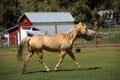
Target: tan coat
[(62, 43)]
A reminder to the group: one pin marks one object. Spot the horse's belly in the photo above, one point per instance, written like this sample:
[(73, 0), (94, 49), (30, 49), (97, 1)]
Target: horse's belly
[(52, 49)]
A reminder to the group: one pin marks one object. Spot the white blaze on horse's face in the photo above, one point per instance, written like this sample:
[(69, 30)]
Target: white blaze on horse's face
[(82, 28)]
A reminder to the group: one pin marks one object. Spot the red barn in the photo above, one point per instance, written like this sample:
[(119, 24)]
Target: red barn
[(12, 35), (24, 21)]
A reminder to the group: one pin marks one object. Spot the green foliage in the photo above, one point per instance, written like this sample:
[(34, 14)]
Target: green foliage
[(115, 6), (9, 13), (82, 10)]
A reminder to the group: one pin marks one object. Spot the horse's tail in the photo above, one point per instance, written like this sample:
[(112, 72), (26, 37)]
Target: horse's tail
[(20, 47)]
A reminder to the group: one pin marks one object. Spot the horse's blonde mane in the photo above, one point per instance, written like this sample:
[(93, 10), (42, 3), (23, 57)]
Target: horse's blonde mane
[(69, 33), (71, 30)]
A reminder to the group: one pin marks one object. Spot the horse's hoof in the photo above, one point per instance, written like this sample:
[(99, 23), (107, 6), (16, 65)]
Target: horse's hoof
[(48, 70), (55, 69), (79, 67)]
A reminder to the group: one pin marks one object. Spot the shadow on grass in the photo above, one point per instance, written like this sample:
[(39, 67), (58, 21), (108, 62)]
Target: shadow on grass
[(82, 69), (117, 50), (92, 68), (36, 72)]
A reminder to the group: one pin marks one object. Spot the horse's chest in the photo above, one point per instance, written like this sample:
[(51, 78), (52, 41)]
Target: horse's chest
[(66, 45)]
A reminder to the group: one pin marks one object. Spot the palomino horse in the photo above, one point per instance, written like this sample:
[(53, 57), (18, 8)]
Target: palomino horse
[(62, 43)]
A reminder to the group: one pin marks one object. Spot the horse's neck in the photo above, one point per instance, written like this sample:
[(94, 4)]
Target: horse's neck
[(72, 34)]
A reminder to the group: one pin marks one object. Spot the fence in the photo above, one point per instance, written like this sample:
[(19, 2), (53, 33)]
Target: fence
[(109, 37), (10, 41), (3, 42)]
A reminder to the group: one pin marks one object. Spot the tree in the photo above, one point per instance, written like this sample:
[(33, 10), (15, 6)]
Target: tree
[(115, 6), (81, 12), (29, 5), (8, 13)]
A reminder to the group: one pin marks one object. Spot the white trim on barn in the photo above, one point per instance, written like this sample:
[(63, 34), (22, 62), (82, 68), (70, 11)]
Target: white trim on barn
[(24, 31)]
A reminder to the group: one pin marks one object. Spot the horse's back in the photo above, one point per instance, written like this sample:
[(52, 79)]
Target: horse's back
[(47, 41)]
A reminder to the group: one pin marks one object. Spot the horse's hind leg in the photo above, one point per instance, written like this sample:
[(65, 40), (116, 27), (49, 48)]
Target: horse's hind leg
[(28, 56), (40, 55), (74, 58)]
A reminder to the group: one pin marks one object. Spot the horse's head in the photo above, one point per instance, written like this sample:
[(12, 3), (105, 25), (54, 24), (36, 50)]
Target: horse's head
[(84, 31)]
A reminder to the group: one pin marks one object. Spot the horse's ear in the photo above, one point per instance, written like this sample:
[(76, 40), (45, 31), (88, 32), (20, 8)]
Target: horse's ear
[(82, 23)]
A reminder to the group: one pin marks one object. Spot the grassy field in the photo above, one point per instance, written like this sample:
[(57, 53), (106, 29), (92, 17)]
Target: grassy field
[(112, 35), (96, 64)]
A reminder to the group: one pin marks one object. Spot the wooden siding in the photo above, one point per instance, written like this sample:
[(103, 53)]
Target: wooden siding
[(24, 22), (12, 36)]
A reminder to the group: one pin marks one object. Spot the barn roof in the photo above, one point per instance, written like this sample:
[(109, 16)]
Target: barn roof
[(48, 17), (11, 28)]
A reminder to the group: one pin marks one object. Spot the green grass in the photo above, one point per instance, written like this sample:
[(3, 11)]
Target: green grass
[(111, 30), (113, 35), (96, 64)]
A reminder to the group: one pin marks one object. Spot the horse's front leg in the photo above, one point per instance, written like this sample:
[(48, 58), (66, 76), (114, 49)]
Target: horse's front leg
[(28, 56), (40, 55), (74, 58), (62, 54)]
